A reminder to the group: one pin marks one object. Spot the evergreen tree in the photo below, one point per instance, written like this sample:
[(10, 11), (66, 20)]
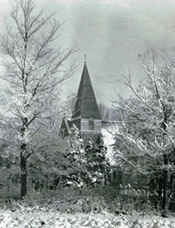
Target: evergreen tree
[(98, 167), (89, 165)]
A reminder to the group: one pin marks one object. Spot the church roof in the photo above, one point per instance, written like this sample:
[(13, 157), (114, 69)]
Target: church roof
[(86, 104), (65, 128)]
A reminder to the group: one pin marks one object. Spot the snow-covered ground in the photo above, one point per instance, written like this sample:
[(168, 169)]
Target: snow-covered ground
[(54, 219)]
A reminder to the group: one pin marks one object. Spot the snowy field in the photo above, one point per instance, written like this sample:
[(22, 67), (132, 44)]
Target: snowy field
[(53, 219)]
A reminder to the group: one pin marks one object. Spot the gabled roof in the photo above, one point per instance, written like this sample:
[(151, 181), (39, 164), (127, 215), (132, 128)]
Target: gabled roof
[(65, 128), (86, 104)]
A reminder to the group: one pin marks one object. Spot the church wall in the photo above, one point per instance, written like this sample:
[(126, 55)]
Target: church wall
[(97, 125), (85, 125)]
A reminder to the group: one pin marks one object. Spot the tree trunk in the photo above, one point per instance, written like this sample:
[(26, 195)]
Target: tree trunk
[(23, 162), (165, 173), (165, 188)]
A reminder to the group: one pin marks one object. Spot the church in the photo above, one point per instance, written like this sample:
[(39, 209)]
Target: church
[(85, 115)]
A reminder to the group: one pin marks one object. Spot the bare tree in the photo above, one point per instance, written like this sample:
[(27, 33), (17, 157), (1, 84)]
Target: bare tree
[(145, 140), (35, 68), (70, 103), (105, 112)]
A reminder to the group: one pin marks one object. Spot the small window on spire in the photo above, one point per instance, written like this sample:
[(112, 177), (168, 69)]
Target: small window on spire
[(91, 124)]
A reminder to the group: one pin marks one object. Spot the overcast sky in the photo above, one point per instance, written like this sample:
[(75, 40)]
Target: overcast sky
[(112, 34)]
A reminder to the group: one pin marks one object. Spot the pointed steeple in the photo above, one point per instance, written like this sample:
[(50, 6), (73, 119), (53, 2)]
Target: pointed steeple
[(86, 105)]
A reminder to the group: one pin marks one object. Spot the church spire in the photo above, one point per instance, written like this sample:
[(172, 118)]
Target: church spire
[(86, 105), (85, 59)]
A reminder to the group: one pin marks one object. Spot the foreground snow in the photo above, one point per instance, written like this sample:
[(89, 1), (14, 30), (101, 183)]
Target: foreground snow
[(42, 218)]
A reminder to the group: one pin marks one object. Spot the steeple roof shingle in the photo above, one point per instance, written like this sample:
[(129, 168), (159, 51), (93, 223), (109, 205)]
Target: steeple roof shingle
[(86, 105)]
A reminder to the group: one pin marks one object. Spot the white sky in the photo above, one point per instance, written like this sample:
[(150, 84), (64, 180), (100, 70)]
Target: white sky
[(112, 33)]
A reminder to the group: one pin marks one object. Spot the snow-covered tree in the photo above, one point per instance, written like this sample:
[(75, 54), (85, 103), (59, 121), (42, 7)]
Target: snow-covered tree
[(75, 166), (98, 166), (35, 67), (145, 141), (85, 166), (105, 112)]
